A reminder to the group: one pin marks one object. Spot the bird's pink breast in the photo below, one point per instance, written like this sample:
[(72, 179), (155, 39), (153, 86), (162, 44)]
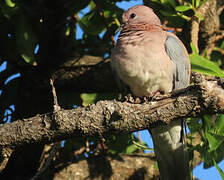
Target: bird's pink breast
[(141, 63)]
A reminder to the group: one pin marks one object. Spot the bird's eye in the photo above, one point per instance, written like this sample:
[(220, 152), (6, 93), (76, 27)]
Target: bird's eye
[(132, 16)]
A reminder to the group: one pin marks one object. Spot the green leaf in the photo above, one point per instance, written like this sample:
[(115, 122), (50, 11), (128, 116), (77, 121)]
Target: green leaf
[(172, 2), (131, 149), (122, 144), (156, 167), (197, 3), (26, 39), (140, 144), (199, 16), (91, 23), (119, 144), (193, 48), (207, 155), (88, 98), (206, 122), (10, 3), (27, 58), (92, 5), (214, 141), (182, 8), (222, 45), (205, 66), (194, 124), (8, 9), (91, 98), (218, 168), (219, 125)]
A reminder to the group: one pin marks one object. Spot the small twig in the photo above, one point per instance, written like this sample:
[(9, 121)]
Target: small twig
[(4, 157), (142, 146), (139, 137), (202, 10), (87, 146), (56, 105), (220, 50), (194, 32), (79, 151), (220, 9), (56, 145), (47, 162), (214, 39)]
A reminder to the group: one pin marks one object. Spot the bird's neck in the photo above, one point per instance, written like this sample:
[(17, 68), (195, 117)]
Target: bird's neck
[(136, 32), (129, 29)]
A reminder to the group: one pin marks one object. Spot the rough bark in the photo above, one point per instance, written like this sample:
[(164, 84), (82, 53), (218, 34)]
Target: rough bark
[(130, 167), (106, 117), (73, 75)]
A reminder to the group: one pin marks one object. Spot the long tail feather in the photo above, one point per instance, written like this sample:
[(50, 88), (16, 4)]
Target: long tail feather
[(171, 152)]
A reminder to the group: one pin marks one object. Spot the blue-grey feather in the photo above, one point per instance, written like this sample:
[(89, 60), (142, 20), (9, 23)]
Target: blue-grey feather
[(178, 54)]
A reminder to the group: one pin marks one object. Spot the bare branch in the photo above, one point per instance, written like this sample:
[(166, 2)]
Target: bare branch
[(134, 166), (4, 157), (74, 74), (196, 22), (56, 105), (48, 161), (106, 117)]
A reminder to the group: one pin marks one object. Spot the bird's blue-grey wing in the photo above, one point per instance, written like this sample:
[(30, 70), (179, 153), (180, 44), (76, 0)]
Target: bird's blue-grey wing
[(178, 54)]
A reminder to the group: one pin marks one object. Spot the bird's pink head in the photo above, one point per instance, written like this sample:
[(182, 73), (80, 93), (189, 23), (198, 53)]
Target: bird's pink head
[(140, 14)]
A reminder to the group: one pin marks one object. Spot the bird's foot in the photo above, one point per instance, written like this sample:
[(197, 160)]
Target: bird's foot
[(160, 96), (134, 99)]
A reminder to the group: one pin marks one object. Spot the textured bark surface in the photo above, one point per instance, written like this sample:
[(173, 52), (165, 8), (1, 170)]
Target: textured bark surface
[(130, 167), (106, 117), (210, 26), (73, 75)]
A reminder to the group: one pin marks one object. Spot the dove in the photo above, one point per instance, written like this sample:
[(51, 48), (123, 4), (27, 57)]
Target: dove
[(151, 60)]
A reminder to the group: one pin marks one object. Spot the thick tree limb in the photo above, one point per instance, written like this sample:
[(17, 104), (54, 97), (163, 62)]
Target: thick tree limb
[(98, 167), (106, 117), (73, 75)]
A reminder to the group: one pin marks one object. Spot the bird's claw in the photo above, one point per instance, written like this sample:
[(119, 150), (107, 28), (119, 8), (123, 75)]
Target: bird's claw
[(136, 100)]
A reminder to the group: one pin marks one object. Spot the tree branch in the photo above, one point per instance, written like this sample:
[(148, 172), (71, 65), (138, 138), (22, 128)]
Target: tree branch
[(74, 73), (98, 167), (106, 117)]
